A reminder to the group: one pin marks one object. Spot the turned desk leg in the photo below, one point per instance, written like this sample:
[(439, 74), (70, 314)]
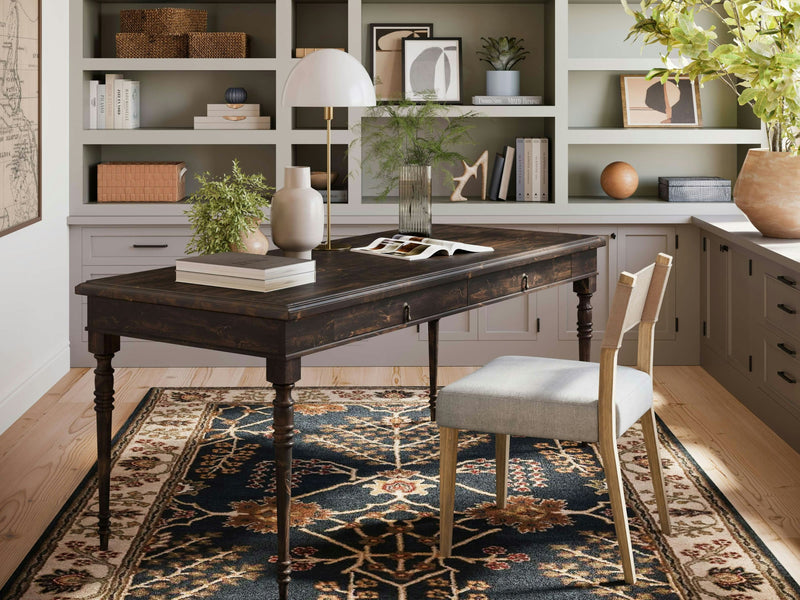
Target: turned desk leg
[(433, 362), (283, 374), (103, 347), (584, 288)]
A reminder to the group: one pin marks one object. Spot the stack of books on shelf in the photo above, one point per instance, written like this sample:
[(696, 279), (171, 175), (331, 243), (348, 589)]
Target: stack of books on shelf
[(232, 116), (506, 100), (253, 272), (533, 170), (113, 104)]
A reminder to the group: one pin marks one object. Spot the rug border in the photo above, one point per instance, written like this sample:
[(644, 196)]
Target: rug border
[(155, 391)]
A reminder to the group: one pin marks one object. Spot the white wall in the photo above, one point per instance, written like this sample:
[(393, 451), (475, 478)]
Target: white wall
[(34, 268)]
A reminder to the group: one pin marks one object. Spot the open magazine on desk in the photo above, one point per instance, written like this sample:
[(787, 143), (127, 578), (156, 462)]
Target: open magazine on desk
[(412, 247)]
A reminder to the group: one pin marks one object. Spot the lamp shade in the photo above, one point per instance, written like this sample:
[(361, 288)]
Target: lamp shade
[(328, 78)]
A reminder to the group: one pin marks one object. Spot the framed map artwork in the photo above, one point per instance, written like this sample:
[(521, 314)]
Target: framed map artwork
[(20, 114)]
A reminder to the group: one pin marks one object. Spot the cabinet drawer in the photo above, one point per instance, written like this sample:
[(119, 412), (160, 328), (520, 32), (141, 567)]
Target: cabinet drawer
[(134, 246), (486, 288), (782, 370), (782, 306)]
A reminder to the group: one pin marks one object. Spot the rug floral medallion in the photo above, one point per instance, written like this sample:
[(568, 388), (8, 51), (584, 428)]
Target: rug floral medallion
[(193, 512)]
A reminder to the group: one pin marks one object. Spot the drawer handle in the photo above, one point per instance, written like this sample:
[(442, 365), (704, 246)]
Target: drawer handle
[(151, 245), (787, 309), (723, 248), (786, 349), (524, 282), (406, 313), (787, 281), (786, 377)]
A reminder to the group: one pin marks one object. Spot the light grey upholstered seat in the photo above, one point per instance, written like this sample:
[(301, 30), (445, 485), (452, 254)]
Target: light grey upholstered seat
[(541, 397)]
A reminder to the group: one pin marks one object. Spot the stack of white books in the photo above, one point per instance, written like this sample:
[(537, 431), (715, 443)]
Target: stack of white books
[(113, 104), (533, 170), (237, 270), (232, 116)]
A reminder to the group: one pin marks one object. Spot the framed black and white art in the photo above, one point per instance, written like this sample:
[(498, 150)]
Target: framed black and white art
[(432, 70), (387, 55)]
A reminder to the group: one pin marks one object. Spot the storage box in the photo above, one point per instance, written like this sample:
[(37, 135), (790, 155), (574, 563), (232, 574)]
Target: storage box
[(694, 189), (162, 20), (218, 44), (152, 45), (141, 181)]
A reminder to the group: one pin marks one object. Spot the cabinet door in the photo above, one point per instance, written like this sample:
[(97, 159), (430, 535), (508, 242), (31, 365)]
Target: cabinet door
[(455, 328), (637, 248), (512, 319), (714, 286), (740, 309)]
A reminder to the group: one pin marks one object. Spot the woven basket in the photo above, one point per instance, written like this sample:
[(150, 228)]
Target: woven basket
[(141, 181), (163, 20), (220, 44), (149, 45)]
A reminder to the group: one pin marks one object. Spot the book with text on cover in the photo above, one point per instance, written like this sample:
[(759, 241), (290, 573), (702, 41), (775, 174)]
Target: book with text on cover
[(261, 267), (411, 247), (245, 283)]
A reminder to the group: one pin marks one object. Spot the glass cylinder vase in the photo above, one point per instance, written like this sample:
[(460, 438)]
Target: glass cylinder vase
[(415, 200)]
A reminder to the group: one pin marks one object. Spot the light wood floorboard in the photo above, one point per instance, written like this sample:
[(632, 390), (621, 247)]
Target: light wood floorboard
[(48, 451)]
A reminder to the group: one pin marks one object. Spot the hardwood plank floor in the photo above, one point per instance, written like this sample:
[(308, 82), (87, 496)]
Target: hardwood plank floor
[(47, 452)]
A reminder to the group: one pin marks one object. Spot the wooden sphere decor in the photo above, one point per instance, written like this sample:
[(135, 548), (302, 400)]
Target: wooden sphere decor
[(619, 180)]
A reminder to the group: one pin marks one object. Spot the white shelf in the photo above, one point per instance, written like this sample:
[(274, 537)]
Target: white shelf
[(115, 65), (655, 135), (526, 111), (613, 64), (177, 136), (318, 136)]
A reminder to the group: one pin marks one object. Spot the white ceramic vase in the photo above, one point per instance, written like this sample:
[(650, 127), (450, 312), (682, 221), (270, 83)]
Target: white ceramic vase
[(502, 83), (297, 217)]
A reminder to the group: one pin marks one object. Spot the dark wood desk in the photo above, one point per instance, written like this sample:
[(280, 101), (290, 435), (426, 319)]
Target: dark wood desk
[(355, 296)]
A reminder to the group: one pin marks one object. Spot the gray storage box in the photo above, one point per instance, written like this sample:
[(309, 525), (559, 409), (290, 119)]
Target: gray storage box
[(694, 189)]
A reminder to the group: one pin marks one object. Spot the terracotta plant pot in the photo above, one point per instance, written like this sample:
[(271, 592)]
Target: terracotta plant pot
[(768, 192), (254, 242)]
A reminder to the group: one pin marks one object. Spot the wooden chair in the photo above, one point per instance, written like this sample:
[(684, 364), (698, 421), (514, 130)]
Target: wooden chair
[(566, 400)]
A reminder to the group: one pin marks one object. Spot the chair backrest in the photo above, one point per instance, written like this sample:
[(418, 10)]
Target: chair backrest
[(637, 301)]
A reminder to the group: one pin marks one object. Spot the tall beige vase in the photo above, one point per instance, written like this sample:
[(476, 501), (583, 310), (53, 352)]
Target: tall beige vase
[(297, 214), (768, 192)]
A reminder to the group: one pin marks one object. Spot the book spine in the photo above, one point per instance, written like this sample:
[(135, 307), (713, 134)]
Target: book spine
[(508, 167), (536, 171), (119, 85), (133, 114), (520, 159), (101, 106), (111, 79), (126, 105), (497, 174), (545, 151), (92, 108)]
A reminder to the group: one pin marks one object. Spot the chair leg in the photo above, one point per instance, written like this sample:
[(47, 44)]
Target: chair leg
[(501, 445), (608, 453), (654, 460), (448, 451)]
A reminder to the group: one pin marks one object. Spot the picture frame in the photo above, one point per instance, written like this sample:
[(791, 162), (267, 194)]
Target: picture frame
[(21, 148), (649, 103), (429, 72), (386, 55)]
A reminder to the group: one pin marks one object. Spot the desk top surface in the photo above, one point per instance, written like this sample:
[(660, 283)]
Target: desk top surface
[(350, 276)]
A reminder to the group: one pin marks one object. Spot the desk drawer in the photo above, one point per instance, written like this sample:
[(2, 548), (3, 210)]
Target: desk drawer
[(782, 306), (485, 288)]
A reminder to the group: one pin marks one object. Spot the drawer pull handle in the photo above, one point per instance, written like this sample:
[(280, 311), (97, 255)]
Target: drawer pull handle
[(787, 309), (151, 245), (524, 282), (786, 377), (786, 349), (787, 281), (723, 248), (406, 313)]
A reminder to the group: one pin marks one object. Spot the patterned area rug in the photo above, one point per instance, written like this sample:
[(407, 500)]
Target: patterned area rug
[(193, 512)]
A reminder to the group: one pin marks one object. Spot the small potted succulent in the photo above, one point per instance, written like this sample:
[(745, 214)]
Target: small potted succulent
[(226, 211), (502, 54)]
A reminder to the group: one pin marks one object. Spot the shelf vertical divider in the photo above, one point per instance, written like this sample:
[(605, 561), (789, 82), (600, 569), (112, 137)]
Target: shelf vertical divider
[(355, 47), (560, 147), (284, 15)]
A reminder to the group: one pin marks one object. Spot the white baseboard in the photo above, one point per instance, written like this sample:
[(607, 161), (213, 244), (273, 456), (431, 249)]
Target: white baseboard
[(13, 406)]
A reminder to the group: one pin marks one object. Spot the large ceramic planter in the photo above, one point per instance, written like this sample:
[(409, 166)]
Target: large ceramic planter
[(297, 214), (415, 200), (768, 192)]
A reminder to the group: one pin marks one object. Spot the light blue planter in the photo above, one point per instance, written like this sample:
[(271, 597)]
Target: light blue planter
[(502, 83)]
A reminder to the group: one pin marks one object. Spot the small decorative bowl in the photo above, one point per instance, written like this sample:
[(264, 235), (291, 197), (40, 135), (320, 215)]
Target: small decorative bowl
[(319, 179)]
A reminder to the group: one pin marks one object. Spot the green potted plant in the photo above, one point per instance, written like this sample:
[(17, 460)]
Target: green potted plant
[(502, 54), (753, 47), (402, 143), (226, 212)]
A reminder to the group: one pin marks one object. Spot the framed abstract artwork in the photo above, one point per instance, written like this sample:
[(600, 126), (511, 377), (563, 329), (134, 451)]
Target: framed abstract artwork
[(20, 114), (387, 55), (649, 103), (432, 70)]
